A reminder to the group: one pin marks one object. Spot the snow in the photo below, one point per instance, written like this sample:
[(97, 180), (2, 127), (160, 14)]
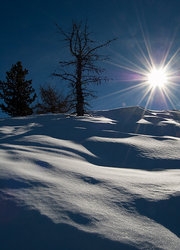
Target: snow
[(109, 180)]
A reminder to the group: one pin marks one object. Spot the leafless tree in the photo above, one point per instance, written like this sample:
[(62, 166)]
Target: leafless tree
[(52, 101), (81, 69)]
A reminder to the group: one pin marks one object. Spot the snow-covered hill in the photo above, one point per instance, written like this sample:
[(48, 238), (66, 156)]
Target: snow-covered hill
[(109, 180)]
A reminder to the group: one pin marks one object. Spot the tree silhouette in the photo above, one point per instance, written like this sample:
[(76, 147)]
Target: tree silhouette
[(52, 101), (17, 92), (82, 68)]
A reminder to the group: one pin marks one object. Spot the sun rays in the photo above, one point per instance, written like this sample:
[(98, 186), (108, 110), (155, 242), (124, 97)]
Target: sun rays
[(149, 77), (151, 72)]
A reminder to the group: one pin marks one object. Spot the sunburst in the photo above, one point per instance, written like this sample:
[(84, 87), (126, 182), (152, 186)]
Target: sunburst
[(152, 76)]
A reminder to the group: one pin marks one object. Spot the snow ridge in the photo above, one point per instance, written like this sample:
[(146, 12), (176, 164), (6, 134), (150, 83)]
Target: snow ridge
[(109, 180)]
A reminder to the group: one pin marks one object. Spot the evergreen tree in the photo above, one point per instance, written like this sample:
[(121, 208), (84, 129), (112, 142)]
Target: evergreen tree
[(17, 92)]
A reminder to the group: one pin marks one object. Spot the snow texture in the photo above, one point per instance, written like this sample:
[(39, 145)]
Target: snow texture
[(109, 180)]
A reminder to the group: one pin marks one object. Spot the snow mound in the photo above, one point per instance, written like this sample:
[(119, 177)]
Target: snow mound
[(71, 182)]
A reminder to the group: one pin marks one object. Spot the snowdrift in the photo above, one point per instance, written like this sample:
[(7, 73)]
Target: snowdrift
[(109, 180)]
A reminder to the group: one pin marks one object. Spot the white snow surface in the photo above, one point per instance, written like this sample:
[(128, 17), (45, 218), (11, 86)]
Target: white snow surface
[(109, 180)]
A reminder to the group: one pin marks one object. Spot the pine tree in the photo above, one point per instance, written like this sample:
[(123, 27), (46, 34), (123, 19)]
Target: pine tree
[(17, 92)]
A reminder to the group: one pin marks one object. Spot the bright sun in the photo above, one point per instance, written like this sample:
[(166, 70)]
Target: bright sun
[(152, 71), (157, 78)]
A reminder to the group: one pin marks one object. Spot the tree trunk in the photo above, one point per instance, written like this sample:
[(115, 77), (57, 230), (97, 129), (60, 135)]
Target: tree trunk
[(80, 100), (79, 91)]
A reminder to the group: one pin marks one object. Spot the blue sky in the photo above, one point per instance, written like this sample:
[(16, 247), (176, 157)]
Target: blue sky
[(29, 34)]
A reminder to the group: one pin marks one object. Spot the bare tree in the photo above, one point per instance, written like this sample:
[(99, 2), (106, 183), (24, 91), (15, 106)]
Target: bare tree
[(52, 101), (82, 68)]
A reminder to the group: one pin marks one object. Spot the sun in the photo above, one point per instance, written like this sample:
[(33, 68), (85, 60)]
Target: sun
[(157, 78), (151, 70)]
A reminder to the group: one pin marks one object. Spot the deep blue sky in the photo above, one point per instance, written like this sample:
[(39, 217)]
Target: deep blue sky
[(29, 34)]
